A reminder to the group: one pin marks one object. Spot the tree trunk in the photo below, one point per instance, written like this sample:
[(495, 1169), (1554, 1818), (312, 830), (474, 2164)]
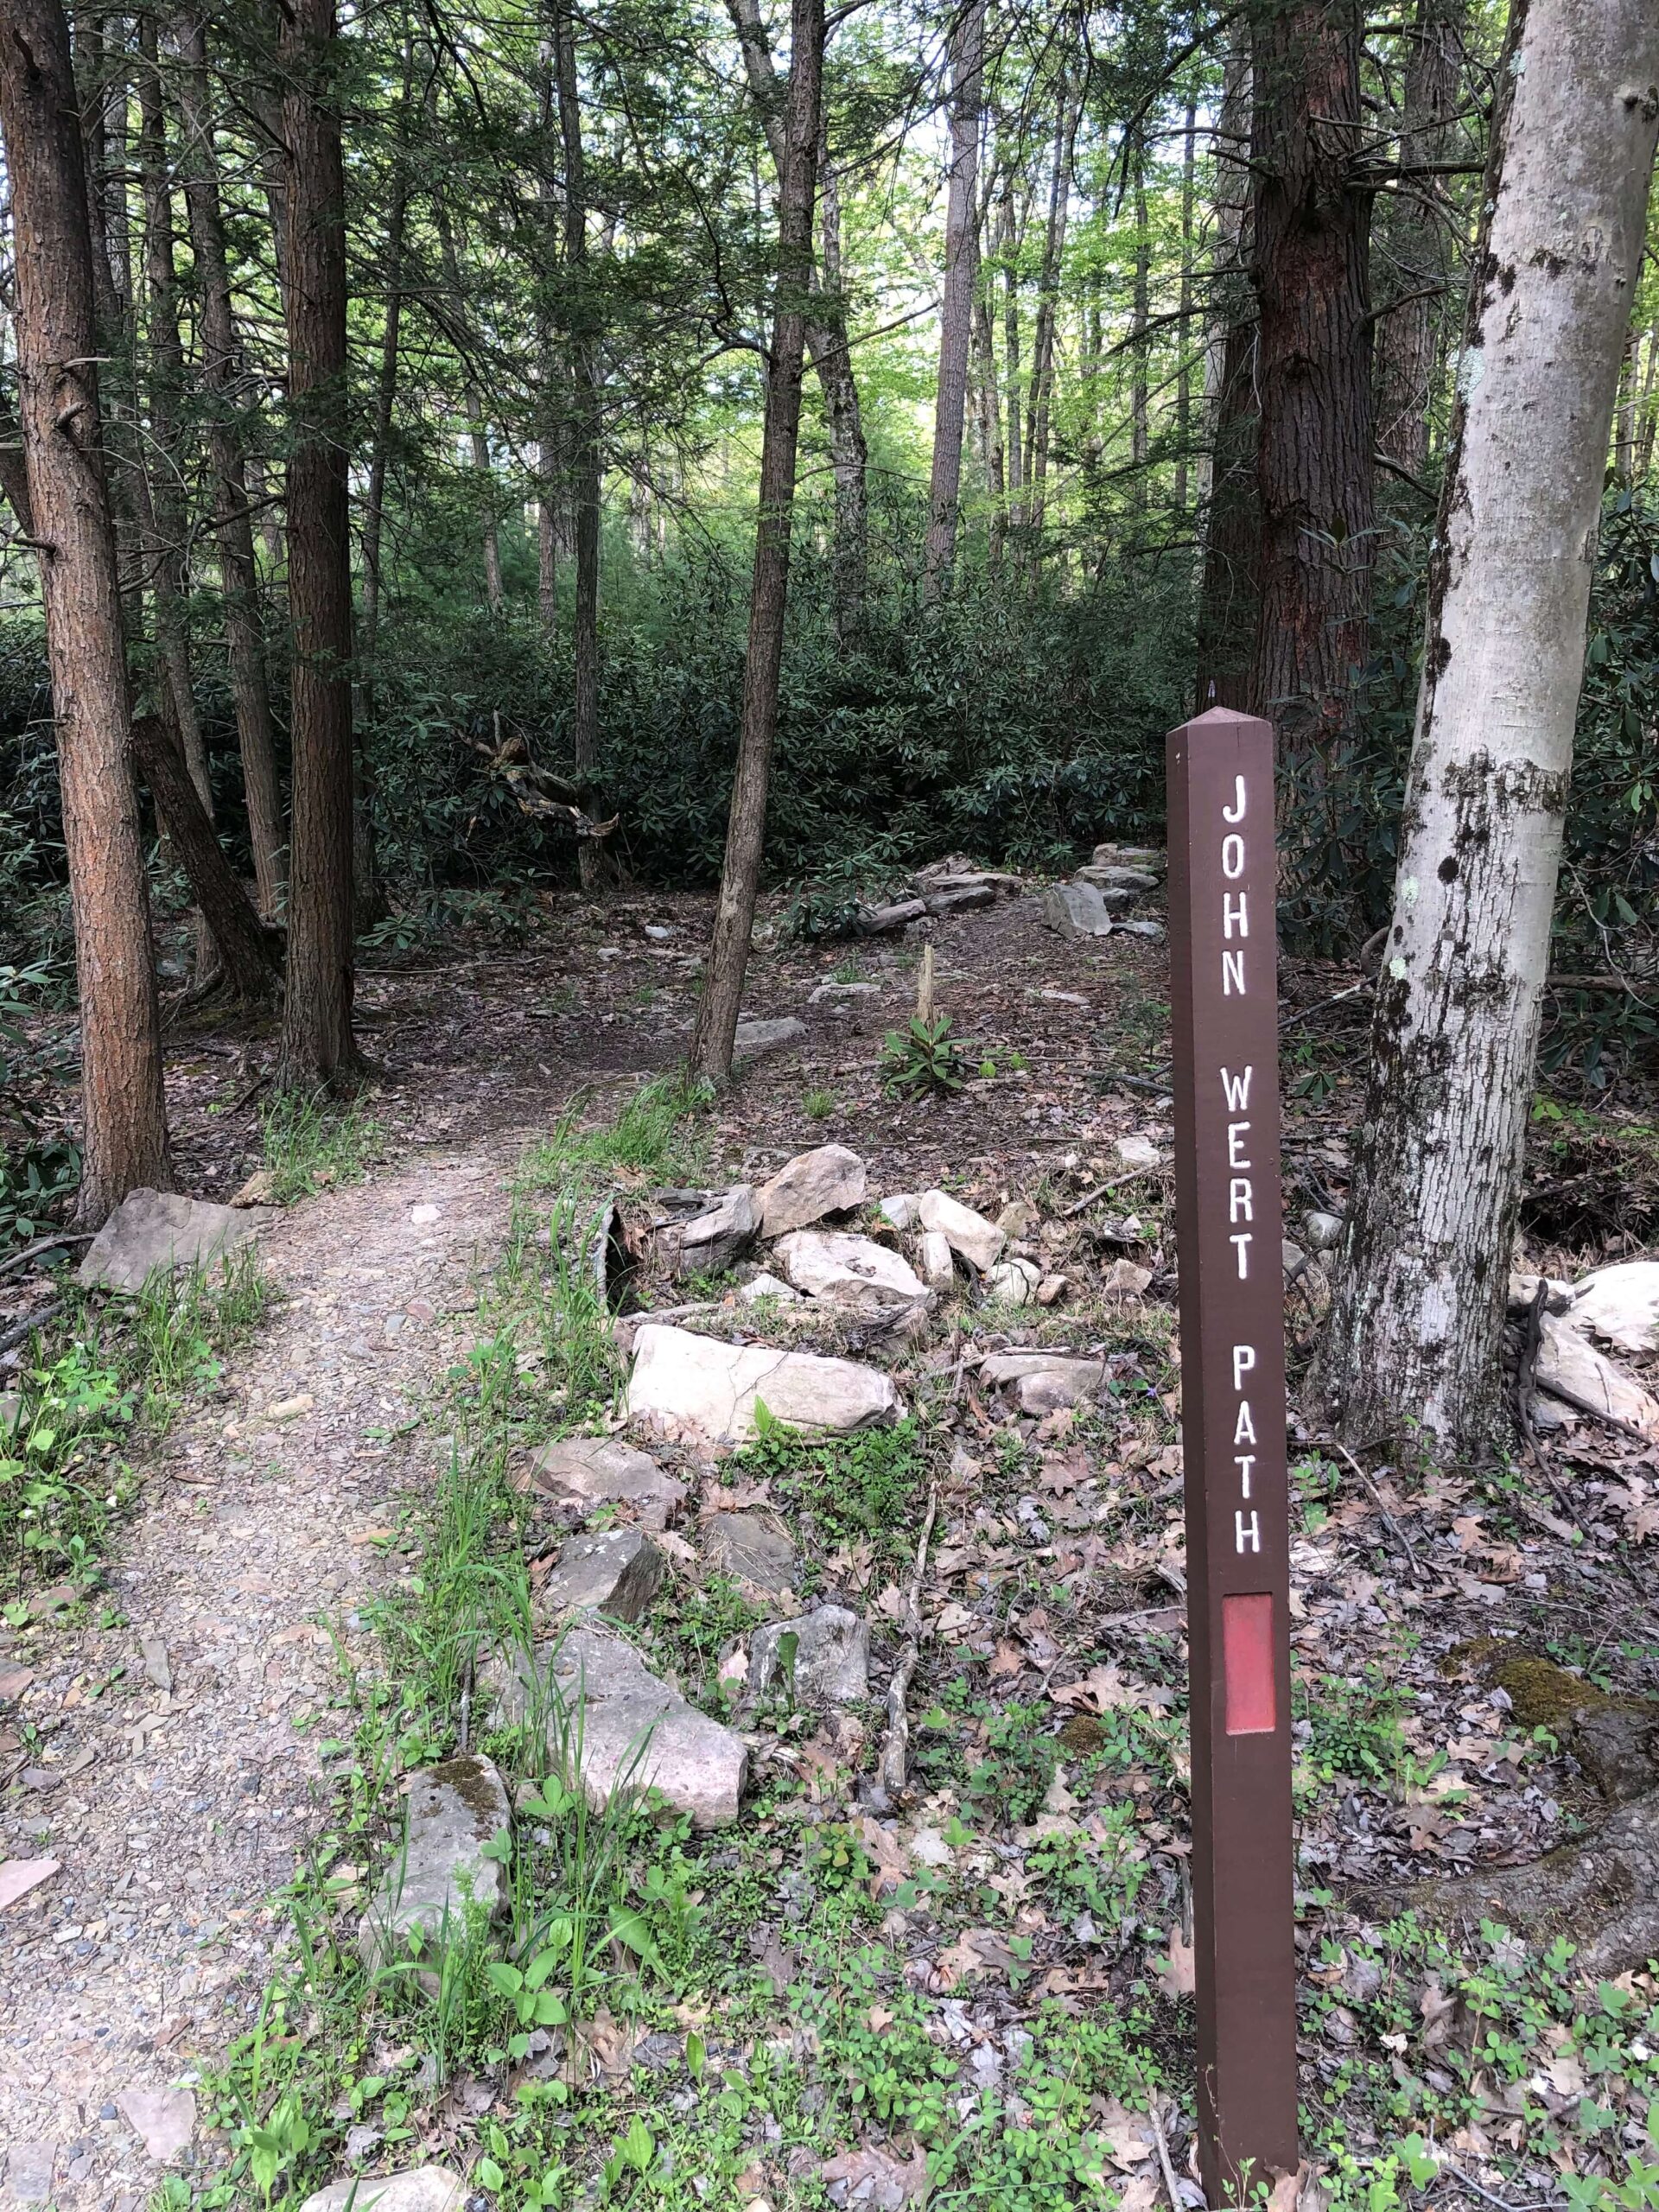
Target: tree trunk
[(1009, 246), (317, 1047), (1139, 313), (1645, 428), (826, 331), (547, 545), (247, 956), (245, 633), (990, 426), (1625, 419), (1417, 233), (957, 315), (124, 1133), (1184, 325), (1231, 528), (740, 880), (1311, 225), (478, 437), (585, 485), (1039, 407), (1417, 1324)]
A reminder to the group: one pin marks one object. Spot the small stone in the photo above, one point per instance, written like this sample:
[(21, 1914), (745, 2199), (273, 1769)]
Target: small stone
[(1051, 1290), (1068, 1377), (589, 1471), (938, 1267), (830, 1179), (831, 1660), (19, 1876), (165, 2120), (442, 1868), (1076, 910), (768, 1285), (28, 2171), (660, 932), (1123, 1279), (711, 1241), (831, 993), (423, 1215), (259, 1189), (1138, 1152), (851, 1271), (425, 2188), (1012, 1282), (617, 1572), (163, 1230), (1017, 1219), (1152, 929), (293, 1408), (687, 1382), (153, 1652), (755, 1037), (751, 1550), (900, 1209), (1296, 1259), (1322, 1231), (980, 1241)]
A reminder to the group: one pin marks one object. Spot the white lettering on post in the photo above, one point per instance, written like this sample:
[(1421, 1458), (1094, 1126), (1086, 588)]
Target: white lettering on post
[(1244, 1461), (1236, 1088), (1235, 1131), (1236, 811), (1249, 1532), (1232, 857), (1232, 975), (1235, 910), (1243, 1360), (1240, 1196), (1244, 1427), (1241, 1245)]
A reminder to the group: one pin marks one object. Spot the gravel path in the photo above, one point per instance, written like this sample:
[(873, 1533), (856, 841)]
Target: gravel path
[(178, 1798)]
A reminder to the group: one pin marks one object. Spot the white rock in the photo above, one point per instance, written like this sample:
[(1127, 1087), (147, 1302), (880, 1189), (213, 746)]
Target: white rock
[(1322, 1231), (1523, 1288), (832, 1658), (1076, 910), (617, 1572), (1066, 1377), (593, 1693), (768, 1285), (441, 1868), (1570, 1368), (161, 1229), (900, 1209), (850, 1271), (1621, 1304), (1125, 1279), (938, 1268), (589, 1471), (1013, 1282), (425, 2188), (1139, 1151), (1139, 856), (980, 1241), (700, 1383), (832, 993), (830, 1179)]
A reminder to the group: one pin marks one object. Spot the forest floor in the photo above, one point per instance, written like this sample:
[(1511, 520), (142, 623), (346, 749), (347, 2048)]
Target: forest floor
[(979, 1988)]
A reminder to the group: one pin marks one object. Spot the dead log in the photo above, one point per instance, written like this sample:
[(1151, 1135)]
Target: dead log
[(250, 954)]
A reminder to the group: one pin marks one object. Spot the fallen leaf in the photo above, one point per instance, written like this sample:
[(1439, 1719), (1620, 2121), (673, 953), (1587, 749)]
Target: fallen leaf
[(1008, 1660), (19, 1876), (1178, 1978), (891, 2184)]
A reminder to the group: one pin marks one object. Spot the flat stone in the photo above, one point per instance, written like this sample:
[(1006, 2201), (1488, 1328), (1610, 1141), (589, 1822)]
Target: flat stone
[(1523, 1288), (618, 1573), (751, 1550), (980, 1241), (422, 2188), (163, 1230), (163, 2120), (634, 1733), (899, 1209), (850, 1271), (941, 877), (1621, 1305), (1111, 875), (689, 1381), (709, 1241), (1013, 1282), (938, 1266), (754, 1038), (952, 901), (831, 1663), (1139, 1151), (1152, 929), (589, 1471), (879, 921), (830, 1179), (1064, 1378), (1571, 1369), (1137, 856), (1076, 910), (28, 2171), (768, 1285), (832, 994), (440, 1869)]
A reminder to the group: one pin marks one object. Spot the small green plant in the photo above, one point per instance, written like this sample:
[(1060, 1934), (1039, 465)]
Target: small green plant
[(819, 1105), (922, 1057), (312, 1143), (1353, 1727)]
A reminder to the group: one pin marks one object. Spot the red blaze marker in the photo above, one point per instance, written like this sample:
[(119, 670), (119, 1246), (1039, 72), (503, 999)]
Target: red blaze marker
[(1224, 994)]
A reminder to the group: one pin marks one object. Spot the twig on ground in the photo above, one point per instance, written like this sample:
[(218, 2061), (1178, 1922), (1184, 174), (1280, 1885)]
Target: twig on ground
[(1597, 1413), (463, 1725), (895, 1751), (1502, 2202), (1133, 1082), (31, 1322), (1388, 1521), (43, 1244), (1129, 1175), (1336, 998), (1159, 2123)]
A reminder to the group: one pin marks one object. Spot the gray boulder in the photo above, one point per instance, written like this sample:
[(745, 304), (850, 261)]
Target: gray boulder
[(423, 2189), (454, 1811), (1134, 882), (755, 1037), (831, 1658), (163, 1230), (830, 1179), (610, 1723), (964, 895), (1145, 857), (833, 994), (851, 1271), (1078, 910), (618, 1573), (585, 1471), (711, 1240), (682, 1382), (881, 921), (751, 1550)]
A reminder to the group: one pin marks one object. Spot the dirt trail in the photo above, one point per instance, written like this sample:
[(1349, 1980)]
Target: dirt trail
[(176, 1812)]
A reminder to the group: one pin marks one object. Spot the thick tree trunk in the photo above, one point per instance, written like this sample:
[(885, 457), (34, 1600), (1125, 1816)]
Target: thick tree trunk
[(1139, 313), (124, 1134), (1231, 526), (244, 630), (826, 331), (1184, 325), (317, 1043), (957, 315), (1009, 248), (740, 880), (248, 957), (478, 436), (1416, 1330), (1311, 225), (1418, 235), (585, 474), (1039, 409)]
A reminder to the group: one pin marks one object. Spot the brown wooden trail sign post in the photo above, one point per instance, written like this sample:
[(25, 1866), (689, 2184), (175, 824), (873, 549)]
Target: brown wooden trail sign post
[(1224, 994)]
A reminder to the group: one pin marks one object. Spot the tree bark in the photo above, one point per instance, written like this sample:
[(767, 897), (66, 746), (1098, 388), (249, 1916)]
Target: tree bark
[(740, 880), (956, 313), (1184, 325), (1416, 1326), (826, 332), (1009, 246), (1231, 527), (221, 363), (248, 955), (1311, 229), (1039, 405), (1139, 313), (124, 1133), (585, 474), (478, 436), (317, 1047), (1418, 235)]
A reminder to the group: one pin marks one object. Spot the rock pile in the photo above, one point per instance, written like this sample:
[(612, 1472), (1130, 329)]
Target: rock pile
[(1104, 894)]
